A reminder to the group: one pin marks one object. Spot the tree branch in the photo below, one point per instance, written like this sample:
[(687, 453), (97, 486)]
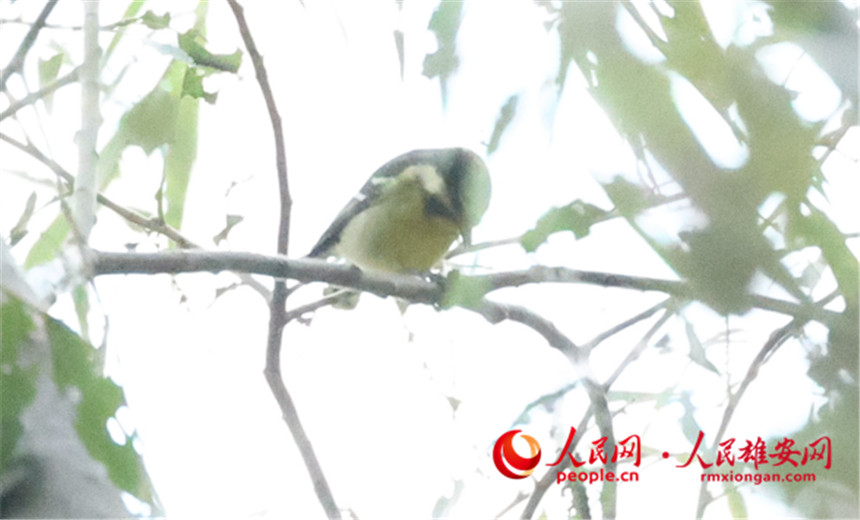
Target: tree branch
[(277, 306), (644, 315), (640, 347), (86, 191), (17, 60), (677, 288), (31, 98), (325, 301), (549, 478), (412, 288), (776, 339), (156, 225), (495, 312), (108, 27), (654, 202), (418, 290)]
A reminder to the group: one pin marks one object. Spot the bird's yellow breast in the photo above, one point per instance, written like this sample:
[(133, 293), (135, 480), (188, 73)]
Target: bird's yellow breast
[(396, 234)]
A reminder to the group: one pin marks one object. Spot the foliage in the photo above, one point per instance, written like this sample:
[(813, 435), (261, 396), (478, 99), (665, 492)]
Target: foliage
[(762, 221)]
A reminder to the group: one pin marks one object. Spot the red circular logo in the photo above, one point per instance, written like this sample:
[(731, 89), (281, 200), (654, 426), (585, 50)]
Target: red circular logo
[(510, 463)]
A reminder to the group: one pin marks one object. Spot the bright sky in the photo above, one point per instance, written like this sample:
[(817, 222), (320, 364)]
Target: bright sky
[(373, 386)]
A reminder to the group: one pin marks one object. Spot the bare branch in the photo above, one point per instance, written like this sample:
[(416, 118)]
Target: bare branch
[(17, 60), (29, 99), (280, 150), (548, 480), (155, 225), (325, 301), (638, 349), (644, 315), (411, 288), (108, 27), (277, 307), (677, 288), (496, 312), (86, 190), (776, 339)]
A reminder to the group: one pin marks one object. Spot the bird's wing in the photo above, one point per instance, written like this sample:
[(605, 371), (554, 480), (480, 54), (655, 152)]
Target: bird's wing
[(369, 193)]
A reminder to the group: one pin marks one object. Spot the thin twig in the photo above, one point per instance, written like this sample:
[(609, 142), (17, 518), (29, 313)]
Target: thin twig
[(676, 288), (644, 315), (298, 312), (545, 482), (638, 349), (656, 41), (474, 248), (654, 202), (108, 27), (496, 312), (776, 339), (514, 503), (17, 60), (31, 98), (155, 225), (600, 409), (277, 307)]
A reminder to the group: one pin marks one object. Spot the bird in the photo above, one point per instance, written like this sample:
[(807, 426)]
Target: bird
[(409, 212)]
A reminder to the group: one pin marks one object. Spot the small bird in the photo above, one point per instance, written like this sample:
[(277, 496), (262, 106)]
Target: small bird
[(410, 211)]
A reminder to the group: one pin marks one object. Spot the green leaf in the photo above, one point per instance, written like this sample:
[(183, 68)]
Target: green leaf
[(74, 361), (179, 161), (445, 23), (48, 71), (192, 85), (689, 427), (152, 121), (506, 115), (82, 308), (817, 229), (20, 230), (576, 217), (163, 118), (464, 291), (192, 43), (46, 247), (134, 7), (629, 199), (153, 21), (17, 382), (697, 350), (737, 506)]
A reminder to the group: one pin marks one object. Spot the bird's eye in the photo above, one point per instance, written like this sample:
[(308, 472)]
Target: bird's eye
[(437, 206)]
